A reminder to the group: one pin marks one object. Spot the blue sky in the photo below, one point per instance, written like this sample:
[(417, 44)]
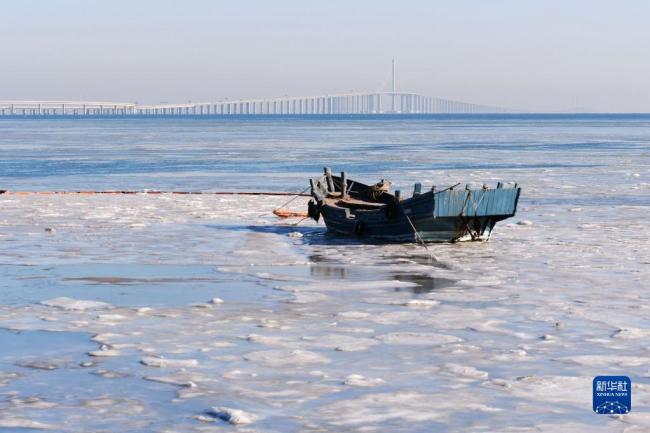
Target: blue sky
[(543, 55)]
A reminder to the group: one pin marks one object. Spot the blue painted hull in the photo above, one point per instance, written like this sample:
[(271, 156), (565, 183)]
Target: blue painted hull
[(443, 216), (428, 229)]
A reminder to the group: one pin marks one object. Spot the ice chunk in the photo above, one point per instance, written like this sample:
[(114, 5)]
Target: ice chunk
[(233, 416), (12, 422), (631, 333), (283, 358), (606, 360), (110, 374), (151, 361), (353, 314), (37, 364), (362, 381), (105, 353), (172, 380), (7, 376), (111, 317), (418, 338), (75, 304), (405, 407), (421, 303), (345, 343), (465, 371), (32, 402)]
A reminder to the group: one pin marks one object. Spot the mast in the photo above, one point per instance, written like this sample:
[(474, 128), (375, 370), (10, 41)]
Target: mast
[(392, 104)]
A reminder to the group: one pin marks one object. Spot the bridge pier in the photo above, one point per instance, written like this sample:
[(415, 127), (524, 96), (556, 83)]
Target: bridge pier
[(353, 103)]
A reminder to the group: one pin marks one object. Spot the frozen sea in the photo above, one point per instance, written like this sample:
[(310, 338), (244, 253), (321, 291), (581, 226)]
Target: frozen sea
[(171, 313)]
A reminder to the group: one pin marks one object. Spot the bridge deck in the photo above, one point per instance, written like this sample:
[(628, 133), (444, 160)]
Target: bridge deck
[(348, 103)]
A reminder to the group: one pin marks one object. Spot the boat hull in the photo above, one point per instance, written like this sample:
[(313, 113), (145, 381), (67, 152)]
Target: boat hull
[(445, 216), (428, 229)]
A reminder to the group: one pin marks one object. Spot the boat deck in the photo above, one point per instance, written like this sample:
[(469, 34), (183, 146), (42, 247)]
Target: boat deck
[(351, 203)]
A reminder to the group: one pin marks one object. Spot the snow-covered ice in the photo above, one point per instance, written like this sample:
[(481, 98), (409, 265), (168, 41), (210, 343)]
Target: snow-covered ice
[(139, 312)]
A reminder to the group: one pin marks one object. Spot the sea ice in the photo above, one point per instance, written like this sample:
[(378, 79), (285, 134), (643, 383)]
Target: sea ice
[(606, 360), (418, 338), (7, 376), (422, 303), (12, 422), (489, 304), (233, 416), (362, 381), (105, 353), (345, 343), (38, 364), (465, 371), (75, 304), (574, 390), (284, 358), (631, 333), (353, 315), (168, 363), (406, 406), (110, 374)]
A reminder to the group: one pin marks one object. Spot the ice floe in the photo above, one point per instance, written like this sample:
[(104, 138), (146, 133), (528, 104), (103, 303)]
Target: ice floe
[(12, 422), (362, 381), (75, 304), (233, 416), (168, 363), (460, 342), (283, 358), (418, 338)]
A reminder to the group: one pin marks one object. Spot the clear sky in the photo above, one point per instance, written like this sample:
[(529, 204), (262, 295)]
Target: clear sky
[(544, 54)]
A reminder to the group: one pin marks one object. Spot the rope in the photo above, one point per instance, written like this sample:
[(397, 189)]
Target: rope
[(417, 235), (296, 196), (446, 189), (462, 210), (473, 233), (478, 203), (279, 208), (418, 238), (301, 220), (378, 189)]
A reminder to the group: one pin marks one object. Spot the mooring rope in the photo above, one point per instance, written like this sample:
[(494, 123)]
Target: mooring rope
[(301, 193), (418, 238), (299, 221)]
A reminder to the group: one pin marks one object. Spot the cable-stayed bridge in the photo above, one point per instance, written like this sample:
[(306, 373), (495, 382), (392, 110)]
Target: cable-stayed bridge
[(369, 103), (338, 104)]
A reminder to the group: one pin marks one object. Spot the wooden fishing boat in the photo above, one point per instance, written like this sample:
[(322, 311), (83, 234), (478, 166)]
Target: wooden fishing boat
[(448, 215)]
